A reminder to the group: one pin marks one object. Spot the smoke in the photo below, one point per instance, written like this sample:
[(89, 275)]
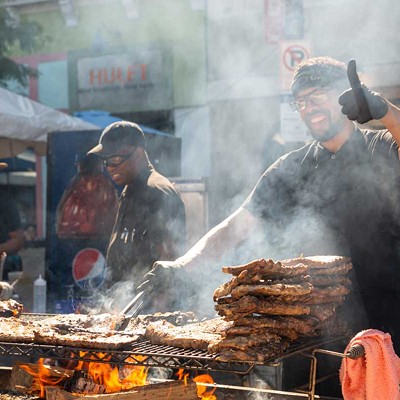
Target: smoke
[(244, 88), (243, 80), (227, 91), (112, 299), (365, 34)]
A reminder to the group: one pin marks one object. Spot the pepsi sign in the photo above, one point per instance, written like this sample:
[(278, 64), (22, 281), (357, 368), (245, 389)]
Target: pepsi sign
[(89, 268)]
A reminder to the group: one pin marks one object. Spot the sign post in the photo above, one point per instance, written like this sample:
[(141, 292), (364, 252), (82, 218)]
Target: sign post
[(292, 54)]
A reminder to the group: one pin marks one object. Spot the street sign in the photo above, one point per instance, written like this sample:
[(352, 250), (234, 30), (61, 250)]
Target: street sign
[(292, 54)]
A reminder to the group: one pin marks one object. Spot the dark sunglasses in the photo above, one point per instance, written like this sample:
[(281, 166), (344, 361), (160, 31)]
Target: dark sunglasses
[(116, 160), (316, 97)]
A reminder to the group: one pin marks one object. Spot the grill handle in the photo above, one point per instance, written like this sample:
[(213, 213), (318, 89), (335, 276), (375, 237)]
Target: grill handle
[(355, 351)]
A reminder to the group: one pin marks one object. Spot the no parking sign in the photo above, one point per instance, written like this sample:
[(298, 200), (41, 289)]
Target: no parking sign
[(292, 54)]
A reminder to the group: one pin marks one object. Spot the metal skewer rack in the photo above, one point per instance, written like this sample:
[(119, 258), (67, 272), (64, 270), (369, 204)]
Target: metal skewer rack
[(355, 352)]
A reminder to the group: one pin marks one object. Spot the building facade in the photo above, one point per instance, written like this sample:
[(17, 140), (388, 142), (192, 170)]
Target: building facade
[(214, 73)]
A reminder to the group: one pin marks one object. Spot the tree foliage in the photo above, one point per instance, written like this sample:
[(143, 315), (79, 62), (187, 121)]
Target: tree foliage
[(22, 34)]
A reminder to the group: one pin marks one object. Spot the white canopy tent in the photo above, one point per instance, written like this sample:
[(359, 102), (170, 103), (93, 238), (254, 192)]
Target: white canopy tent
[(25, 123)]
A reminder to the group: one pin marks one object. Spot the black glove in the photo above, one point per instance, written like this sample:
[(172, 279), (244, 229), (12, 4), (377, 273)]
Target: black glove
[(360, 103), (167, 287)]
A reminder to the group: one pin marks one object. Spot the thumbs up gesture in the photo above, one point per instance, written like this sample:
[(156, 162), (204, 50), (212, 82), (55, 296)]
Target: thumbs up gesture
[(360, 103)]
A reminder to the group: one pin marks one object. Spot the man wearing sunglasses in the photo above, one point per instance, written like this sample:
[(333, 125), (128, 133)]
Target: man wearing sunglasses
[(151, 220), (337, 195)]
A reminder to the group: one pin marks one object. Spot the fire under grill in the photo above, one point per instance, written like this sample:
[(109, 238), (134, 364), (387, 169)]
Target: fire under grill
[(144, 353), (293, 371)]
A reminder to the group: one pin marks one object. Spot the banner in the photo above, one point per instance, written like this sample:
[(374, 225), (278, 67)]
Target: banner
[(137, 79)]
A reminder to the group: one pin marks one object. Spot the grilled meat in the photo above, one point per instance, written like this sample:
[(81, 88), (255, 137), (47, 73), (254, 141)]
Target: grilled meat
[(101, 340), (98, 323), (277, 289), (226, 288), (318, 261), (338, 270), (298, 324), (10, 308), (328, 280), (253, 354), (330, 294), (288, 299), (16, 331), (267, 269), (75, 330), (323, 311), (237, 330), (192, 336), (252, 304), (243, 342)]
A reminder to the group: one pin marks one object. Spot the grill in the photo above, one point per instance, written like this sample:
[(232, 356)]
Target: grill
[(299, 357), (141, 353), (146, 354)]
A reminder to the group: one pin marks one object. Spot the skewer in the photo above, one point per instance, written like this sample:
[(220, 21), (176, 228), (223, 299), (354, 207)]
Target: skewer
[(287, 395)]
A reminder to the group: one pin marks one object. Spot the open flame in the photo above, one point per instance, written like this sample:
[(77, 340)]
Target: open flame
[(115, 379), (45, 375), (202, 389), (202, 382), (107, 375)]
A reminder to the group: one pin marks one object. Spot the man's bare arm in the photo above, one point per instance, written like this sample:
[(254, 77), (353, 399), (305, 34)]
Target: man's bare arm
[(172, 282), (221, 239), (391, 121), (14, 244)]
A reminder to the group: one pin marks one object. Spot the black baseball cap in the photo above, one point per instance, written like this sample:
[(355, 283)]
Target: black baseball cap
[(117, 135)]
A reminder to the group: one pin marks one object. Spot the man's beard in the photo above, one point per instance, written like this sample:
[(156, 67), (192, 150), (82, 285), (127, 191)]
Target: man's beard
[(327, 135), (333, 129)]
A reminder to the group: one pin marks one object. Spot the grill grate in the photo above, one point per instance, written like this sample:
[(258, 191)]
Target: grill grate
[(141, 353), (144, 353)]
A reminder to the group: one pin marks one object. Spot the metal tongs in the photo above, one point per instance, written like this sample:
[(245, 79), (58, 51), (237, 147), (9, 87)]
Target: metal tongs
[(146, 292), (136, 304)]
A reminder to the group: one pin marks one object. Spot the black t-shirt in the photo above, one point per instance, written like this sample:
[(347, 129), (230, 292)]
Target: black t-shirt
[(345, 203), (151, 213)]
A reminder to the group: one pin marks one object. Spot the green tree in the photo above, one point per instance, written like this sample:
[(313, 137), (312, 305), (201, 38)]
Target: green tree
[(17, 34)]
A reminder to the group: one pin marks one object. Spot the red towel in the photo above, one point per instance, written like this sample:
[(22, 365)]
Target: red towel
[(376, 376)]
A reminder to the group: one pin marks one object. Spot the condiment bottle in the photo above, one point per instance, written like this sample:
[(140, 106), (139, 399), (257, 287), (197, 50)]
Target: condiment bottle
[(39, 295)]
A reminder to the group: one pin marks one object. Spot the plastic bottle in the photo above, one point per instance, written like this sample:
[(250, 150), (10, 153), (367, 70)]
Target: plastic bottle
[(39, 295)]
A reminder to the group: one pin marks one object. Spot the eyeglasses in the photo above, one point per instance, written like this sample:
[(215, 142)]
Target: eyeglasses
[(116, 160), (316, 97)]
